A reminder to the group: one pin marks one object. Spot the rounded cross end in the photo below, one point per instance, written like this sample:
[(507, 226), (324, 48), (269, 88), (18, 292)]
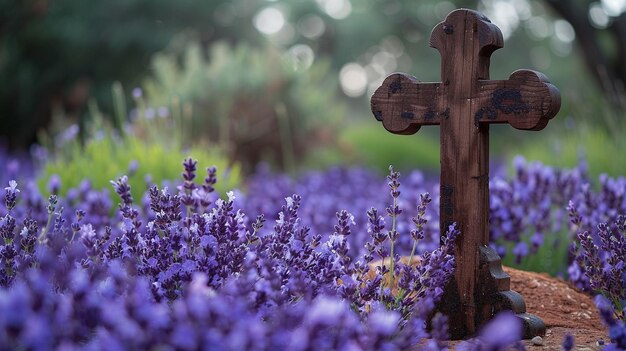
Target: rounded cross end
[(389, 101), (462, 22), (550, 95)]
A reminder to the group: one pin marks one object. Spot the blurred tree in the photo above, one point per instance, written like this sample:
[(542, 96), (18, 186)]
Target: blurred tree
[(55, 54), (600, 29)]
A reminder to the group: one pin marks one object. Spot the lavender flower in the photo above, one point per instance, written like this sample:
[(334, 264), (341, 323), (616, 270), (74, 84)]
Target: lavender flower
[(188, 186), (439, 332), (54, 184), (501, 333), (210, 179), (617, 328), (122, 188), (52, 203), (137, 93), (568, 342), (11, 194), (603, 265)]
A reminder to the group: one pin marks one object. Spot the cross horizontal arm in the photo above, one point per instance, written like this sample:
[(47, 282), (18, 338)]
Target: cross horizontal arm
[(526, 101), (404, 104)]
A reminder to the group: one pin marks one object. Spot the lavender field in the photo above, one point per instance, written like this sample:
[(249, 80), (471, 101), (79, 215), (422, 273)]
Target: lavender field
[(213, 175), (284, 263)]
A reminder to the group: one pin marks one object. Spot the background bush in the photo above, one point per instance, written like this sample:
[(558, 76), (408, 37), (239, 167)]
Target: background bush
[(146, 164), (256, 103), (108, 153)]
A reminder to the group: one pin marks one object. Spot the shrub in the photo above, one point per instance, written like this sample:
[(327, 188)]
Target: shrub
[(100, 160), (257, 103), (92, 45), (98, 152), (599, 147)]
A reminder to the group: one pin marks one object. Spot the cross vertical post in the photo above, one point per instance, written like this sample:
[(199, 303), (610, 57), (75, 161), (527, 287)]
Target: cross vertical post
[(463, 104)]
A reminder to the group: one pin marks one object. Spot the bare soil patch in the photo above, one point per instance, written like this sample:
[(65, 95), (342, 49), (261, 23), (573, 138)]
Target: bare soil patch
[(562, 307)]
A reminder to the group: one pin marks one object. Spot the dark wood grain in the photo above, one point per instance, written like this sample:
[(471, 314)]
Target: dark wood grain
[(464, 103)]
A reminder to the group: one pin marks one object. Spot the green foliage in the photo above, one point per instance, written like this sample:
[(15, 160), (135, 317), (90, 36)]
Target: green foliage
[(551, 257), (155, 153), (369, 144), (257, 103), (598, 147), (59, 53), (106, 159)]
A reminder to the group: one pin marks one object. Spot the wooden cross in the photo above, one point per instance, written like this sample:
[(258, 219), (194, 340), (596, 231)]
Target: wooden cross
[(464, 104)]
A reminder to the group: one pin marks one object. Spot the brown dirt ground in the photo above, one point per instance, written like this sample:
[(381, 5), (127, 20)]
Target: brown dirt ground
[(563, 309)]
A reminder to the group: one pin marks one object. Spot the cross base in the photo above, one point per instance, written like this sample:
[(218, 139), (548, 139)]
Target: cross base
[(493, 296)]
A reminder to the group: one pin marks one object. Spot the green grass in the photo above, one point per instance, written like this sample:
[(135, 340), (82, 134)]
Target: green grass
[(602, 152), (550, 258), (106, 159), (368, 143)]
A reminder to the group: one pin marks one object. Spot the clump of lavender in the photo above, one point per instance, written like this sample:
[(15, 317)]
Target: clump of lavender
[(527, 212), (597, 220), (617, 328), (356, 190), (418, 286), (156, 276), (162, 271), (600, 257), (7, 226)]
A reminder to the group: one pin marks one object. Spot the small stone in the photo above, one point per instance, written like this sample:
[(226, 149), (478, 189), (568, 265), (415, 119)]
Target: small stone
[(537, 341)]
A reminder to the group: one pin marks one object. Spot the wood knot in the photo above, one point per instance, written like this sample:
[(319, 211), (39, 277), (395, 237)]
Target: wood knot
[(407, 115), (509, 101), (448, 29), (395, 86), (378, 115)]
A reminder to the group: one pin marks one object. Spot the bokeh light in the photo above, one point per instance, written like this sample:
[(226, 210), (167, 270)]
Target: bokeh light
[(504, 14), (538, 27), (302, 56), (564, 31), (337, 9), (353, 79), (613, 8), (269, 21), (598, 16), (393, 45), (311, 26)]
